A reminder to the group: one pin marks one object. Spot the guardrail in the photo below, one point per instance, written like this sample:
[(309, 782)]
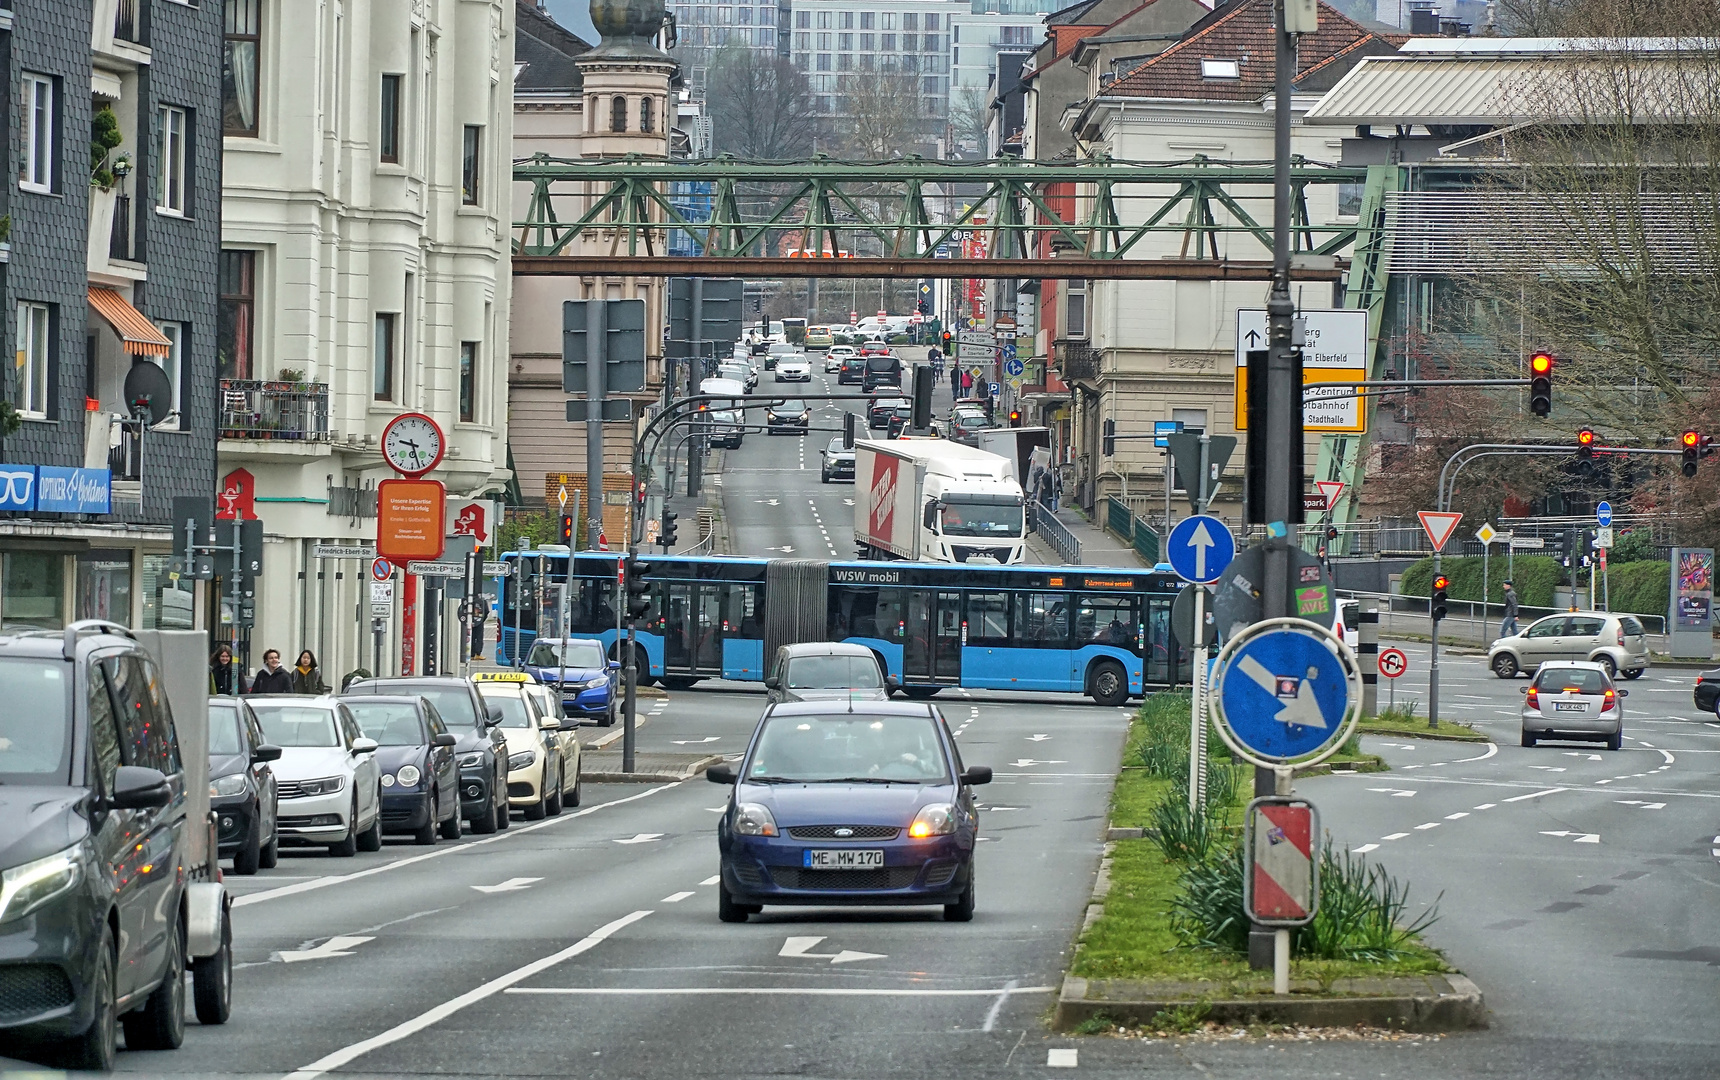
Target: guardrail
[(1470, 622), (1124, 523), (1042, 521)]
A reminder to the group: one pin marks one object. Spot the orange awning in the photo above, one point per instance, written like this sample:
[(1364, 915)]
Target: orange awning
[(136, 332)]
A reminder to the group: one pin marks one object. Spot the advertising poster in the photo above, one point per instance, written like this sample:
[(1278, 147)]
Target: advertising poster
[(1693, 598)]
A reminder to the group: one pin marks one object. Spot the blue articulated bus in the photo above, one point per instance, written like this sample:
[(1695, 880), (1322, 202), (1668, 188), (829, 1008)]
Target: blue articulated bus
[(1101, 632)]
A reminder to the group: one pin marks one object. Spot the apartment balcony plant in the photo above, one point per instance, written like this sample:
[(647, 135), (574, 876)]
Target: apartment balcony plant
[(288, 408)]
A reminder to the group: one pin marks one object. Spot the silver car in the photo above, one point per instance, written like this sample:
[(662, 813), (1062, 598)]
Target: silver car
[(827, 671), (1573, 699), (1616, 642)]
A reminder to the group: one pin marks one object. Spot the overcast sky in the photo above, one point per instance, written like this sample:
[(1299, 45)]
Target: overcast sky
[(575, 15)]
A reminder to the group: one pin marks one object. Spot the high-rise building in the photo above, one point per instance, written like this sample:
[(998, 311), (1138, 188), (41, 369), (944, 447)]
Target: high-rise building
[(702, 29)]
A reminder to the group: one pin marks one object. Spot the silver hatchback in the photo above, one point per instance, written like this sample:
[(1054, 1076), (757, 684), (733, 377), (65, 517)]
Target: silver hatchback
[(1616, 642), (1573, 700), (827, 671)]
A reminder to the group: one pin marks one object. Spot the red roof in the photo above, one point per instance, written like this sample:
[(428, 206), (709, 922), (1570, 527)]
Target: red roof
[(1243, 31)]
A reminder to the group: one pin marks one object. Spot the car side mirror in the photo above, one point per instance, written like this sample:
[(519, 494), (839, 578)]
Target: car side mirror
[(1523, 690), (138, 788), (771, 682), (495, 718), (1624, 693), (445, 738), (614, 665), (363, 745), (265, 752), (892, 684), (549, 723), (976, 775), (720, 774)]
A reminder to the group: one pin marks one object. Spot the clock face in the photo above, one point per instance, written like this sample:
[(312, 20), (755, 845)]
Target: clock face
[(412, 444)]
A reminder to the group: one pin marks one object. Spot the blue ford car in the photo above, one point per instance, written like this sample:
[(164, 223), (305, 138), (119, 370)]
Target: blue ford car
[(588, 679), (852, 803)]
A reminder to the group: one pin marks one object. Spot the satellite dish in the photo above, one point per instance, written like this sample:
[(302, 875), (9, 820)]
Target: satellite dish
[(147, 391)]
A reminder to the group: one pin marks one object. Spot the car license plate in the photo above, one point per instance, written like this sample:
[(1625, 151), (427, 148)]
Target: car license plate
[(819, 859), (1570, 706)]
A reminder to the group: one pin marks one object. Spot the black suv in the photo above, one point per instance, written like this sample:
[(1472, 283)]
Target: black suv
[(853, 370), (482, 750), (93, 847)]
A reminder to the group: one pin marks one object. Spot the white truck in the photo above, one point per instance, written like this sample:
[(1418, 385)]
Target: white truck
[(934, 500)]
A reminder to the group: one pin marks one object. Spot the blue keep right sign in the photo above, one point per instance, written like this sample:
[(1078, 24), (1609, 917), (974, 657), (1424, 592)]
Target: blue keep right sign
[(1284, 694)]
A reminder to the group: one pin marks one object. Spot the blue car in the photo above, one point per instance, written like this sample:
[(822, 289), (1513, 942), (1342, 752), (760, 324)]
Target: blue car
[(849, 803), (589, 680)]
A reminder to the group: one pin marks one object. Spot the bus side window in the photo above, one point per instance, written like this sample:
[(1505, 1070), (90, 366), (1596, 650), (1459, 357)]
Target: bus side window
[(1041, 620), (988, 618)]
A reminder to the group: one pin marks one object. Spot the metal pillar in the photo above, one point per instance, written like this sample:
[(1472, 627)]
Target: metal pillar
[(1368, 656), (596, 349)]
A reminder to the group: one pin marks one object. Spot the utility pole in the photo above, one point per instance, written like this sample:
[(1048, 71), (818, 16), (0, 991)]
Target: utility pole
[(596, 353)]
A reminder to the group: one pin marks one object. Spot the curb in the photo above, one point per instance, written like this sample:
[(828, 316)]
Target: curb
[(686, 773), (1363, 729), (1463, 1009)]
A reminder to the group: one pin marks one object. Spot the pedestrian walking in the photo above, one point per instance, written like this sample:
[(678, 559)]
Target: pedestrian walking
[(272, 678), (1508, 625), (222, 674), (1056, 488), (307, 676)]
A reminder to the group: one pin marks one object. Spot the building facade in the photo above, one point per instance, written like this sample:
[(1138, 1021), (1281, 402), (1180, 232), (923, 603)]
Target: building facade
[(108, 267), (364, 273)]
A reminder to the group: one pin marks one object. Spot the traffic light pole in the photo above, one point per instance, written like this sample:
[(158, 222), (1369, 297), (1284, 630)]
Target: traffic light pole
[(596, 350)]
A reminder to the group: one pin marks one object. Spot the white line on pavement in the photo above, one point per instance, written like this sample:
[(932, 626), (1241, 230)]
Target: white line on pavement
[(712, 880), (676, 898), (1428, 825), (1395, 836), (997, 1006), (1535, 794), (1062, 1058), (348, 1055), (1364, 849), (780, 991), (324, 882)]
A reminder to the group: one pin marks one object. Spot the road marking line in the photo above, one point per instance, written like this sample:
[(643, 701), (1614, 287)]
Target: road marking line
[(1062, 1058), (324, 882), (1365, 848), (712, 880), (1459, 814), (676, 898), (1536, 794), (1395, 836), (1485, 806), (764, 991), (1428, 825), (347, 1055)]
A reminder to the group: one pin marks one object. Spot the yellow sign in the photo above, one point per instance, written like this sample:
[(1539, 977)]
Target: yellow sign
[(1486, 534), (1333, 408), (502, 676)]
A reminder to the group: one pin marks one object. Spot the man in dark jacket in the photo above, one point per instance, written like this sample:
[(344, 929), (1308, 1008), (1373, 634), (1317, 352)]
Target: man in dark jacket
[(272, 678), (1508, 625)]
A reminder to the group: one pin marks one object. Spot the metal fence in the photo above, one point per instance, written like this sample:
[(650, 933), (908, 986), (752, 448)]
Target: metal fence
[(253, 409), (1042, 521), (1470, 622), (1123, 522)]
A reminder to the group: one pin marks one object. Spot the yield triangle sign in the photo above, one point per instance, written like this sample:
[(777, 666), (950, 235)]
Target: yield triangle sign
[(1331, 489), (1439, 526)]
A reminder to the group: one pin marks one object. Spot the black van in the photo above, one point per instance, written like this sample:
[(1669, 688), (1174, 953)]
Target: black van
[(885, 370)]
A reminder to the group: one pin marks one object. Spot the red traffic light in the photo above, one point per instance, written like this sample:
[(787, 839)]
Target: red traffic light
[(1692, 438), (1585, 437), (1541, 363), (1441, 582)]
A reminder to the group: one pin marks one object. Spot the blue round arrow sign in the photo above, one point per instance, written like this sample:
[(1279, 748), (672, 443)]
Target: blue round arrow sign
[(1284, 694), (1199, 548)]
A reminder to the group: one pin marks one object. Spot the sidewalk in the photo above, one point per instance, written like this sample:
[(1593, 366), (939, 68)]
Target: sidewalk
[(1098, 547)]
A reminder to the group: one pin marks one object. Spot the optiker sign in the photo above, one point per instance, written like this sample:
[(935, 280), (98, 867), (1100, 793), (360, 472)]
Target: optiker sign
[(56, 490)]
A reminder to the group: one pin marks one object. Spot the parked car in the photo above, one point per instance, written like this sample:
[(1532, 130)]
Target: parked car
[(327, 779), (826, 671), (853, 370), (1574, 699), (964, 425), (537, 770), (793, 369), (242, 786), (588, 680), (90, 777), (788, 415), (1706, 693), (878, 412), (819, 337), (564, 741), (838, 463), (482, 750), (1616, 642), (415, 754), (866, 803)]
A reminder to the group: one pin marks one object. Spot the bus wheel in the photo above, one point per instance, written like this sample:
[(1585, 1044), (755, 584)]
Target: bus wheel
[(920, 693), (1107, 684)]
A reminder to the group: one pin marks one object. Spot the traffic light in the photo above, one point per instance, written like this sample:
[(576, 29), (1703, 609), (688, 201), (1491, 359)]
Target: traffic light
[(1541, 383), (1568, 546), (924, 308), (1331, 532), (638, 589), (850, 421), (922, 412), (666, 535), (567, 529), (1693, 447), (1440, 584), (1015, 418), (1585, 445), (947, 339), (1110, 437)]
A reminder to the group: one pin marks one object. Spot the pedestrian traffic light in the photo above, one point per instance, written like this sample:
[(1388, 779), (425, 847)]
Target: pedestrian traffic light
[(667, 533), (1693, 448), (1440, 584), (1015, 418), (638, 588), (1585, 445), (1541, 383), (1331, 532), (567, 529), (1110, 437), (1568, 546)]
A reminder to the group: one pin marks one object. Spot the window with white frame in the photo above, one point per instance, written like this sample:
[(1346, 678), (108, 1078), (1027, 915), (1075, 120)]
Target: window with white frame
[(35, 338), (173, 364), (41, 141), (1075, 310), (173, 191), (382, 358)]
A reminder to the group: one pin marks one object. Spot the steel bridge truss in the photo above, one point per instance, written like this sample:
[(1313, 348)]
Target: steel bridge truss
[(997, 218)]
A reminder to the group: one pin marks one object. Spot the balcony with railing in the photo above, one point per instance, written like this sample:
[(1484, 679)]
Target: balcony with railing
[(274, 411), (1077, 361)]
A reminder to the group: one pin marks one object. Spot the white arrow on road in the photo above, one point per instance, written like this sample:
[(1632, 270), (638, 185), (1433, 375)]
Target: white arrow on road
[(1579, 753), (1304, 710), (695, 742), (1026, 761), (513, 884), (1396, 793), (1037, 738), (1639, 802), (1577, 837), (799, 946), (1548, 768), (1201, 540), (785, 550), (334, 946), (642, 838)]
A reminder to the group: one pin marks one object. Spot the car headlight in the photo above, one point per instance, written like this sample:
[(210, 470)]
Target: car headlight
[(520, 761), (25, 888), (387, 779), (593, 684), (472, 760), (408, 776), (327, 785), (754, 819), (227, 785), (937, 819)]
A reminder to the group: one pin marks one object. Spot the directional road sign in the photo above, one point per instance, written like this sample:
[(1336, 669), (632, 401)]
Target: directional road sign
[(1199, 549), (1603, 513), (1393, 663), (1013, 367), (1282, 692)]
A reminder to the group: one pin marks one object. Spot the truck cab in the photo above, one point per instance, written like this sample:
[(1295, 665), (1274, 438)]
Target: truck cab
[(934, 500)]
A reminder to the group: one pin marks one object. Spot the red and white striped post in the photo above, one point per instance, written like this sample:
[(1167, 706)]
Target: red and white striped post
[(1281, 878)]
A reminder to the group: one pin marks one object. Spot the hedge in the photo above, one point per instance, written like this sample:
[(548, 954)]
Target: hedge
[(1533, 577), (1643, 588)]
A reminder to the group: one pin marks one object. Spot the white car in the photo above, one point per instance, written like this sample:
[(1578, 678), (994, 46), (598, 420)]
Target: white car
[(834, 356), (793, 369), (538, 779), (329, 787)]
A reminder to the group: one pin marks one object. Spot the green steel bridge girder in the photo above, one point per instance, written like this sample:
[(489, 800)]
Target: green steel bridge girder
[(830, 205)]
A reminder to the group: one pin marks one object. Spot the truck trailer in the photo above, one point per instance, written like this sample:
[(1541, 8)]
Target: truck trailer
[(934, 500)]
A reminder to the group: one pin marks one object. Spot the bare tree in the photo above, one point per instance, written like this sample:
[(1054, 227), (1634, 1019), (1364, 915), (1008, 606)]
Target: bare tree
[(761, 107), (970, 118), (884, 114)]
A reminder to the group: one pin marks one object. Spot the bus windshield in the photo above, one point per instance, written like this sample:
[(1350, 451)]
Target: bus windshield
[(981, 519)]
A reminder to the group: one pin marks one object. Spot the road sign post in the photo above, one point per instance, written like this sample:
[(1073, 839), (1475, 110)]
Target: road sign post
[(1439, 525), (1199, 549), (1281, 872), (1393, 663)]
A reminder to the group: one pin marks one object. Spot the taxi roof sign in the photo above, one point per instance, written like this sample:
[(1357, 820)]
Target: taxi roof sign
[(502, 677)]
